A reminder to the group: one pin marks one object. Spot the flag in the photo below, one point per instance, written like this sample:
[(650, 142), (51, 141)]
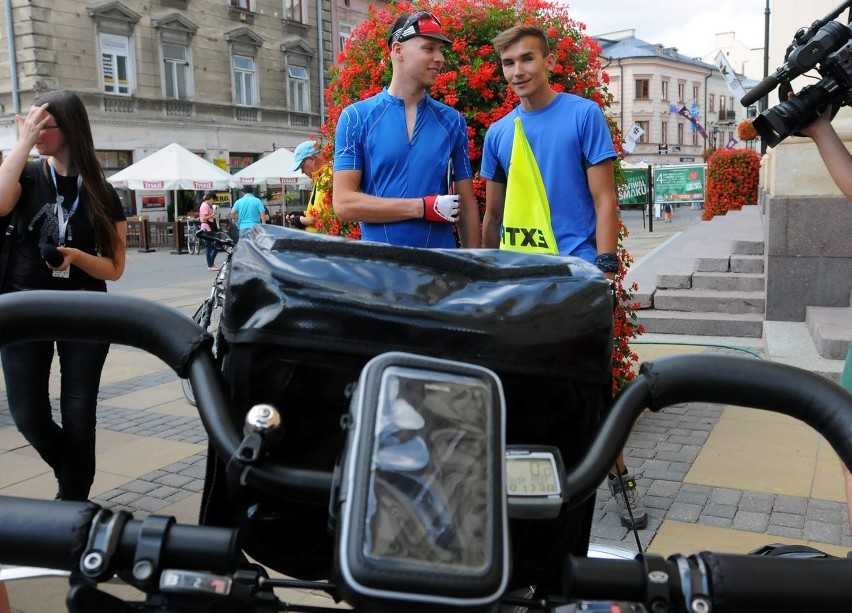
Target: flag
[(731, 79), (731, 143), (688, 114), (526, 212), (633, 135)]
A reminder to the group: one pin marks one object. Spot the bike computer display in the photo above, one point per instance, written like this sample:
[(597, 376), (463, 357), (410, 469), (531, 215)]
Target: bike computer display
[(534, 476)]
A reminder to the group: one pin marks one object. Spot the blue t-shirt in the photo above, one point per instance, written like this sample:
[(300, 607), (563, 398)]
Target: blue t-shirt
[(372, 137), (248, 210), (567, 136)]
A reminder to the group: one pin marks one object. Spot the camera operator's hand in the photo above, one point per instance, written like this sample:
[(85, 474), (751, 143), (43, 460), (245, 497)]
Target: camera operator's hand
[(819, 125), (441, 208)]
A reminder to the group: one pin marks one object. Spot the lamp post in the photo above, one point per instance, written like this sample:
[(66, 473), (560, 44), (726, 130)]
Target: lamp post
[(714, 135)]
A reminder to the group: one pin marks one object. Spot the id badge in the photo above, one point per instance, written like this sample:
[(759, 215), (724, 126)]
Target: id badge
[(62, 274)]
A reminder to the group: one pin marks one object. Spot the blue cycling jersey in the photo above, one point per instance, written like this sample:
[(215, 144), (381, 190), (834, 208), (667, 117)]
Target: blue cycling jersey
[(372, 138)]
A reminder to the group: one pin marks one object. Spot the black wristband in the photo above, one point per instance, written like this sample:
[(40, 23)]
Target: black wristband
[(607, 262)]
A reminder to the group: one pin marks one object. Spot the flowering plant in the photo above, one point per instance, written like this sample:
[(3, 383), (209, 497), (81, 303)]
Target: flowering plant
[(732, 178), (746, 130), (472, 82)]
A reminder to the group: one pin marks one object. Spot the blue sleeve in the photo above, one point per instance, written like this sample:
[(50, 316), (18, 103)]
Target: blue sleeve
[(348, 144), (490, 168), (461, 152), (597, 140)]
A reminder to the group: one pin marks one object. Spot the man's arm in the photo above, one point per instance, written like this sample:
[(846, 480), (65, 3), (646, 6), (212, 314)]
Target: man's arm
[(495, 200), (470, 232), (833, 152), (351, 204), (602, 186)]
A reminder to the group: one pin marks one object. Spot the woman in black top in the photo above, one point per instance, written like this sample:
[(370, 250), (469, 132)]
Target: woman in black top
[(71, 217)]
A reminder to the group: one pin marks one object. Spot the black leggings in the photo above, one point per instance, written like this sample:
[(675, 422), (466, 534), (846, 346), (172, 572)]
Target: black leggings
[(68, 449)]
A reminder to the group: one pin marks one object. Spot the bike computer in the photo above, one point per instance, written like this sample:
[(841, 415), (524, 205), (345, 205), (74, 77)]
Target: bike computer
[(534, 477)]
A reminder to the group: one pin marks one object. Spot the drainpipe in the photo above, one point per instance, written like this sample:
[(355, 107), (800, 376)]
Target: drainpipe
[(321, 63), (13, 60), (706, 112), (621, 95)]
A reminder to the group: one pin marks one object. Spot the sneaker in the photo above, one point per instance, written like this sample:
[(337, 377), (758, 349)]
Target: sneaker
[(640, 516)]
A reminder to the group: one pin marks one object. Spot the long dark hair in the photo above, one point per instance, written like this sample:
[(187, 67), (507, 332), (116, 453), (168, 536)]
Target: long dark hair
[(73, 121)]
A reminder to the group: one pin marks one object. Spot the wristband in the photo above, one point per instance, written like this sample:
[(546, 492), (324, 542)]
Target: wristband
[(607, 262)]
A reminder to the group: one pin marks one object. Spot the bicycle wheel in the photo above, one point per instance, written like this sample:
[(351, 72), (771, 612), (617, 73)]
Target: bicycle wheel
[(202, 317)]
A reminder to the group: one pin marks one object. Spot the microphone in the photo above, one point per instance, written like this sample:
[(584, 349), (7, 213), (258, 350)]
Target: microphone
[(52, 255)]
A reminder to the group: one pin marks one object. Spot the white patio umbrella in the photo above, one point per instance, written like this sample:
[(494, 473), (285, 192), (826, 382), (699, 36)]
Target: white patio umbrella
[(275, 168), (171, 168)]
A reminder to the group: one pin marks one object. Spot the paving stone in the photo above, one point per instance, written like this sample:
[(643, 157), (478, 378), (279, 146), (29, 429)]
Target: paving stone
[(793, 533), (827, 515), (791, 504), (716, 522), (666, 489), (680, 511), (162, 491), (150, 504), (696, 498), (174, 480), (725, 511), (758, 502), (750, 521), (788, 520), (822, 532), (139, 486), (723, 495)]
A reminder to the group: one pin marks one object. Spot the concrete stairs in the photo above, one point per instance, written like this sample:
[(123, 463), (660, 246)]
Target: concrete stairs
[(713, 282)]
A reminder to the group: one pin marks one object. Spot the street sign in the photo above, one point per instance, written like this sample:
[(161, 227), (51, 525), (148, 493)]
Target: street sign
[(663, 149), (634, 190), (681, 183)]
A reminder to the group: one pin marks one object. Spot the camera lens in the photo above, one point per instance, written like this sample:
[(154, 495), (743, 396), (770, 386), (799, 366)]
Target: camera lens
[(779, 122)]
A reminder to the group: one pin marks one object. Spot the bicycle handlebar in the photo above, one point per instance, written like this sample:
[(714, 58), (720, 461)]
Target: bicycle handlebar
[(723, 583), (64, 528), (173, 337)]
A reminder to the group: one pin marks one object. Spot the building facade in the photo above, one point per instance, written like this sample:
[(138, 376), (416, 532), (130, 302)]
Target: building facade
[(651, 83), (230, 80)]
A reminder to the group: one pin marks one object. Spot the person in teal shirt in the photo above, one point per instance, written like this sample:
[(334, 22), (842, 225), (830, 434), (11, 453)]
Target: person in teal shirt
[(248, 210)]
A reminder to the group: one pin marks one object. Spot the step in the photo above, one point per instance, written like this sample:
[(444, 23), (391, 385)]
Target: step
[(729, 282), (701, 324), (747, 247), (712, 263), (790, 342), (709, 301), (831, 330), (747, 264)]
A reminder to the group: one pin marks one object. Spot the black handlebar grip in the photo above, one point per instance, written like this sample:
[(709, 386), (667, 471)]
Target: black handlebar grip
[(601, 579), (48, 534), (54, 534), (748, 583)]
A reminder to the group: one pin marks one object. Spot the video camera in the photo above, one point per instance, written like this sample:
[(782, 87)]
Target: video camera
[(826, 46)]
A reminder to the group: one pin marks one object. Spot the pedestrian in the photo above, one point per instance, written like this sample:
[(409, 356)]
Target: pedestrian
[(667, 212), (248, 210), (72, 237), (207, 216), (572, 147), (308, 160), (401, 164), (838, 161)]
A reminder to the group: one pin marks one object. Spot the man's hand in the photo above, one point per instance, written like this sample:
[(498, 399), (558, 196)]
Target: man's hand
[(441, 208)]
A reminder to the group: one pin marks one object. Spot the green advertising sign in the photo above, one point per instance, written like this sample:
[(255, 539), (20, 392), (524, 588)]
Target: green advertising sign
[(634, 190), (679, 183)]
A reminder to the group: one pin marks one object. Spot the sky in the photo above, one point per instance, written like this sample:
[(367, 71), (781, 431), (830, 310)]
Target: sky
[(691, 26)]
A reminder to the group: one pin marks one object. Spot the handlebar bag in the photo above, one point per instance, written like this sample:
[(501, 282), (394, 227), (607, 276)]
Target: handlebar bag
[(305, 312)]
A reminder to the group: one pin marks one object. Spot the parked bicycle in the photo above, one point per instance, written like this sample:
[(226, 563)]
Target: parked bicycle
[(193, 244), (208, 314)]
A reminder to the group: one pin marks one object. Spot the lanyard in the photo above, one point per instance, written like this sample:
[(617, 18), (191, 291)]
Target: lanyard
[(60, 212)]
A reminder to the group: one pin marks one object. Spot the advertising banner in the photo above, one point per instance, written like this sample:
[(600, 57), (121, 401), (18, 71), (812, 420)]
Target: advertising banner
[(634, 190), (679, 183)]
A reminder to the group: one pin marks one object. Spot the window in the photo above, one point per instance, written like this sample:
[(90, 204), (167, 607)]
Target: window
[(116, 65), (176, 72), (245, 92), (722, 104), (694, 138), (695, 93), (665, 90), (293, 10), (679, 133), (246, 5), (299, 89), (664, 133), (344, 31), (643, 89), (711, 104), (680, 91), (731, 103), (646, 136)]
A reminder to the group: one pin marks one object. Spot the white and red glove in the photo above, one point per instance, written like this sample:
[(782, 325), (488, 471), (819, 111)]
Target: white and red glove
[(441, 208)]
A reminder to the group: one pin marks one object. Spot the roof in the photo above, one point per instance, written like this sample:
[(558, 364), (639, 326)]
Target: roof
[(624, 45)]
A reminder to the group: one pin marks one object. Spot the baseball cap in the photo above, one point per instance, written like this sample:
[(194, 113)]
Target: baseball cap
[(302, 152), (421, 23)]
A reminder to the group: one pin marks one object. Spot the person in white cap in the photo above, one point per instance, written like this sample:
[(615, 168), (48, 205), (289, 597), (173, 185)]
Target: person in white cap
[(401, 164)]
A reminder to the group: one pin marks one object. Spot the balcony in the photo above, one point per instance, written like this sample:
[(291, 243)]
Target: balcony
[(115, 104), (247, 114), (177, 108), (727, 116)]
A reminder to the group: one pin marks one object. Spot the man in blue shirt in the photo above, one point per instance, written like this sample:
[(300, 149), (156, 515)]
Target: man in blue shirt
[(248, 210), (401, 163), (570, 140)]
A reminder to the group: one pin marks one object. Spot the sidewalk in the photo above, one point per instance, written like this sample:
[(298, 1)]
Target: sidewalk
[(713, 477)]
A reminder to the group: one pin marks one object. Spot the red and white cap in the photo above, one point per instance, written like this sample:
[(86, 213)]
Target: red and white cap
[(421, 23)]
